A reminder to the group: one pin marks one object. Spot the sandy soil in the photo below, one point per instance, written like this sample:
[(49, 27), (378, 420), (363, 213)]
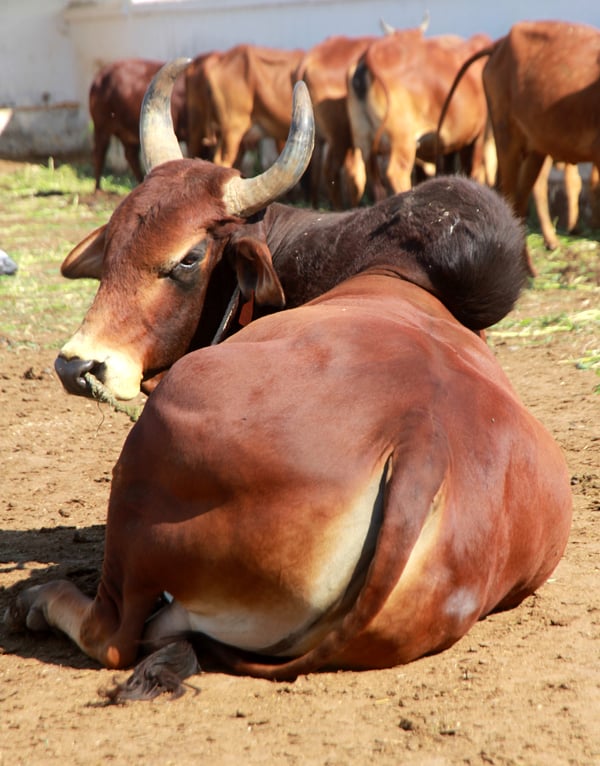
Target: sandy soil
[(522, 688)]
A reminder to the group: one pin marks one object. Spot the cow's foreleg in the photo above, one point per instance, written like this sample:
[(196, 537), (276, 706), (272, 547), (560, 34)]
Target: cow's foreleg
[(399, 168), (595, 195), (572, 190), (95, 625), (529, 171), (542, 205), (101, 143)]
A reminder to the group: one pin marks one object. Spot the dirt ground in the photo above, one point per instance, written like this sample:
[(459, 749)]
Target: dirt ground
[(521, 688)]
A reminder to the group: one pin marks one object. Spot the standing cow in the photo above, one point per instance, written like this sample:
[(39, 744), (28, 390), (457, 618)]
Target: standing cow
[(324, 69), (395, 95), (542, 84), (115, 102), (349, 484)]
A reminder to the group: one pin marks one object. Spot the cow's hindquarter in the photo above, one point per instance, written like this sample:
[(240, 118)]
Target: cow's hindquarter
[(542, 87), (494, 534), (263, 525), (367, 107), (261, 507)]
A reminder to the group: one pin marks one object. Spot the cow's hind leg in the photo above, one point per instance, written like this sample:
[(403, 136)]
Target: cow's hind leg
[(107, 633), (540, 197), (101, 143), (355, 176), (528, 173), (132, 155), (572, 190)]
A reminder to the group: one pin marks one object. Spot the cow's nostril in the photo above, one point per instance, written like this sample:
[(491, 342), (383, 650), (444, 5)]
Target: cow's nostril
[(71, 373)]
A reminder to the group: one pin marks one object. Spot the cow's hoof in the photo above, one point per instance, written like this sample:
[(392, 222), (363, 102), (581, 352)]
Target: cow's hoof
[(26, 612)]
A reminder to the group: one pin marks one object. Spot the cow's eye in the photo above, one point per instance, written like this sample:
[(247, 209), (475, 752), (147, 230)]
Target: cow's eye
[(187, 267)]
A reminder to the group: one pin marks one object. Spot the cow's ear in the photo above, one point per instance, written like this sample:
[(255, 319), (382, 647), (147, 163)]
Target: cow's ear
[(255, 272), (85, 259)]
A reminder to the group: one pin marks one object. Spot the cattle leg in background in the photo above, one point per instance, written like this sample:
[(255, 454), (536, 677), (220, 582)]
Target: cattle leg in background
[(354, 177), (572, 182), (101, 142), (595, 197), (573, 185)]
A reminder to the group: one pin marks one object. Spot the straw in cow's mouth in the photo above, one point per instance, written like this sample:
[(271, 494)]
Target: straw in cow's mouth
[(102, 394)]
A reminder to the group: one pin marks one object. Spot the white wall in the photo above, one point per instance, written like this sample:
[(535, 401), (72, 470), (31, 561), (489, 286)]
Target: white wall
[(36, 56), (50, 49)]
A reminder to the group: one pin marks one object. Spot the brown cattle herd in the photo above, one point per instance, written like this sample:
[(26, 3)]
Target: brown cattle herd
[(510, 110)]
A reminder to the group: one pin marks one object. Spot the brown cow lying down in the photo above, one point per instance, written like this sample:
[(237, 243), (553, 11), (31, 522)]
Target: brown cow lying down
[(348, 484)]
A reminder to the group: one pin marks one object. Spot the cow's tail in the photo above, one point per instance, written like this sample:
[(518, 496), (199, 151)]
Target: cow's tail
[(459, 75), (165, 670), (360, 83), (384, 122)]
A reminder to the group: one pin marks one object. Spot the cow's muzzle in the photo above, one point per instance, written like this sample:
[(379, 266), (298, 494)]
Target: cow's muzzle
[(72, 374)]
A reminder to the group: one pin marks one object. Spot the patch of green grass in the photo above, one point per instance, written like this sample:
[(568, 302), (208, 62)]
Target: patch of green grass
[(575, 264), (46, 211), (543, 330), (41, 311), (547, 325), (55, 179)]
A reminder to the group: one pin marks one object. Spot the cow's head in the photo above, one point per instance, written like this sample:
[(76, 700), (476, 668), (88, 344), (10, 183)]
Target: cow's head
[(156, 255)]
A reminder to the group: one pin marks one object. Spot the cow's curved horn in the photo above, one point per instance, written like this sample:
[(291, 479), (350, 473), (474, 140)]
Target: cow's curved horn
[(244, 196), (157, 135)]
